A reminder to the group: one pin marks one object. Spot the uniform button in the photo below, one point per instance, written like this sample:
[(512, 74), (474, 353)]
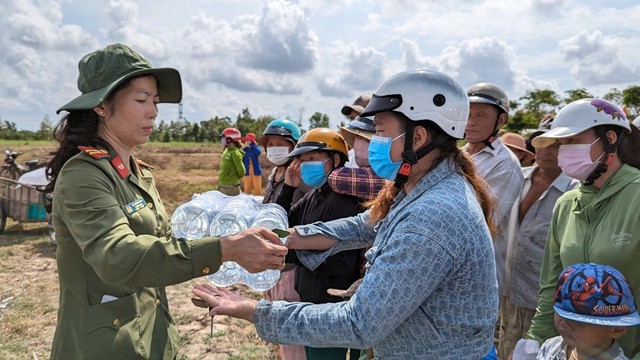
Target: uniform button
[(206, 271), (116, 323), (150, 205), (158, 302), (158, 229)]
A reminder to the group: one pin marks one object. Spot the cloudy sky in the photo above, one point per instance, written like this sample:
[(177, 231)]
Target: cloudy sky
[(287, 58)]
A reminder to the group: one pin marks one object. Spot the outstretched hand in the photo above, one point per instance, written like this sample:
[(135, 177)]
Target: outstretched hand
[(226, 302), (255, 249)]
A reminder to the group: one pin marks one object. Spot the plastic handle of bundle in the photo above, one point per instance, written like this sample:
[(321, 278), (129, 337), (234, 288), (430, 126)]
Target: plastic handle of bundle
[(526, 349)]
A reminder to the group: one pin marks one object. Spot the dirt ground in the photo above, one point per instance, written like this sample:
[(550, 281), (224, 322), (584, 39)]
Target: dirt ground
[(29, 284)]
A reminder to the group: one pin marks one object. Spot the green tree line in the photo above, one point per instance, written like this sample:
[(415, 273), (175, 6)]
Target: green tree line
[(525, 113)]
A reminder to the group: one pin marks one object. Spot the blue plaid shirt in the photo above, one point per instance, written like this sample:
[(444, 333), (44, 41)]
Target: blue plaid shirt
[(430, 288)]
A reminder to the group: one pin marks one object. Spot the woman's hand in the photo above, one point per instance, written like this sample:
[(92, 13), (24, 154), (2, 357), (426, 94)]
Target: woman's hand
[(292, 176), (225, 302), (255, 249)]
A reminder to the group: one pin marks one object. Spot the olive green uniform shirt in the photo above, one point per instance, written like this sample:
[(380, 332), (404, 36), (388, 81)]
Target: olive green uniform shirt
[(115, 255)]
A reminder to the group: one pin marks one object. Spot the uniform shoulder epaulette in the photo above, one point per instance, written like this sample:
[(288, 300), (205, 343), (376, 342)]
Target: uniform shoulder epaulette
[(145, 164), (93, 152)]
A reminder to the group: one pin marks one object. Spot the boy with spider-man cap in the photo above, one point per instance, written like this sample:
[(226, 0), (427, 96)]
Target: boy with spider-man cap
[(594, 307)]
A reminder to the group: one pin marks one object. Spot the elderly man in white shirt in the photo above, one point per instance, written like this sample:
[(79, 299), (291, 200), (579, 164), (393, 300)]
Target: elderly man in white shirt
[(489, 108)]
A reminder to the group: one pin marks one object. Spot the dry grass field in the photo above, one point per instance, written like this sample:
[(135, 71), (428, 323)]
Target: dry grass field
[(28, 275)]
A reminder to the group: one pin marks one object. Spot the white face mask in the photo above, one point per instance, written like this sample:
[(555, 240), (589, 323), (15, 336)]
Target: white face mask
[(278, 155), (575, 160)]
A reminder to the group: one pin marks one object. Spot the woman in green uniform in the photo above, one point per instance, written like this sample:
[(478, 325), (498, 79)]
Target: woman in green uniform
[(115, 250)]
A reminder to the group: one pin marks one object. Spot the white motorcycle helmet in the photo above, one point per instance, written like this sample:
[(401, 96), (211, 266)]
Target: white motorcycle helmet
[(424, 95), (580, 116)]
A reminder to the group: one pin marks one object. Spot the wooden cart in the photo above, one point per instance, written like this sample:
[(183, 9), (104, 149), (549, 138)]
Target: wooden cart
[(22, 203)]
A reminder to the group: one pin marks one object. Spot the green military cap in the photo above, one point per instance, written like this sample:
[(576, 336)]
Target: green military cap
[(103, 70)]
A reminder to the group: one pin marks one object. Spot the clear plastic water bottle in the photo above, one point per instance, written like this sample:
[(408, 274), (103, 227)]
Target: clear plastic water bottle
[(261, 281), (215, 214), (224, 224), (190, 221), (271, 216)]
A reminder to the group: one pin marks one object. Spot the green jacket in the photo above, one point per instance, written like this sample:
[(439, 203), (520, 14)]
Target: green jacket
[(115, 255), (231, 166), (599, 226)]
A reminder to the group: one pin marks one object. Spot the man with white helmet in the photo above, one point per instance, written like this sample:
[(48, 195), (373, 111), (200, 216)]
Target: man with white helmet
[(488, 113), (429, 291), (598, 221)]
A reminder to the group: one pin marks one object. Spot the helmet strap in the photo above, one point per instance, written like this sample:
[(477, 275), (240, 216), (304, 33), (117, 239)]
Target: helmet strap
[(609, 149), (410, 157), (494, 133)]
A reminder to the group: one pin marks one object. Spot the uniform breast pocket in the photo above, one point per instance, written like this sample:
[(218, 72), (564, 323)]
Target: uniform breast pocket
[(143, 220), (113, 330)]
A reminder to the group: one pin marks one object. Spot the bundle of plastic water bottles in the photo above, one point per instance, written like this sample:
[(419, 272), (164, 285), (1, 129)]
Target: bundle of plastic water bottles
[(215, 214)]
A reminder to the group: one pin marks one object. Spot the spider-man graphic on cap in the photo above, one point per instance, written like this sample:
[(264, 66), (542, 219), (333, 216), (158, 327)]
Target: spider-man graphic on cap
[(585, 299)]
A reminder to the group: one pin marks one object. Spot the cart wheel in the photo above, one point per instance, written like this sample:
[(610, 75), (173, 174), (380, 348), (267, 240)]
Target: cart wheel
[(3, 216)]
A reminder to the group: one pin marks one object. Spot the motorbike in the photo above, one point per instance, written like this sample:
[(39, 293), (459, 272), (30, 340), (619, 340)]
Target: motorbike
[(11, 169)]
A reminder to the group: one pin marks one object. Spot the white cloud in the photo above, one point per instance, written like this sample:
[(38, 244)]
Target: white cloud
[(598, 59), (349, 70), (281, 41), (278, 56)]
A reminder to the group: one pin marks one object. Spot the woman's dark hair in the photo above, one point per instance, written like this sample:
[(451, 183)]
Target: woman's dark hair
[(464, 166), (627, 145), (78, 128)]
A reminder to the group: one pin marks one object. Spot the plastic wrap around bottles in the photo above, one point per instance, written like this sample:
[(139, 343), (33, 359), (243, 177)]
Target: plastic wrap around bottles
[(215, 214), (192, 220)]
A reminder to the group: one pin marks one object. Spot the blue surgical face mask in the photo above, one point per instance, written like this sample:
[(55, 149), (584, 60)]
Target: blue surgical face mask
[(312, 173), (380, 157)]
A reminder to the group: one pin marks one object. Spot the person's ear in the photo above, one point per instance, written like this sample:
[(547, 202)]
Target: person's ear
[(612, 136), (420, 137), (618, 331), (502, 119), (336, 160), (101, 110)]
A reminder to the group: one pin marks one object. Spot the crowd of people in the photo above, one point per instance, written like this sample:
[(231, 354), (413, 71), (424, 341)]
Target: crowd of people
[(402, 245)]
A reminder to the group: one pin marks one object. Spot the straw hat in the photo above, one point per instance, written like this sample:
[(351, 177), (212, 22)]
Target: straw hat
[(517, 142)]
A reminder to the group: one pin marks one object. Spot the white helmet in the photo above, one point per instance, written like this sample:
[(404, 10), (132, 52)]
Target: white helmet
[(424, 95), (579, 116)]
